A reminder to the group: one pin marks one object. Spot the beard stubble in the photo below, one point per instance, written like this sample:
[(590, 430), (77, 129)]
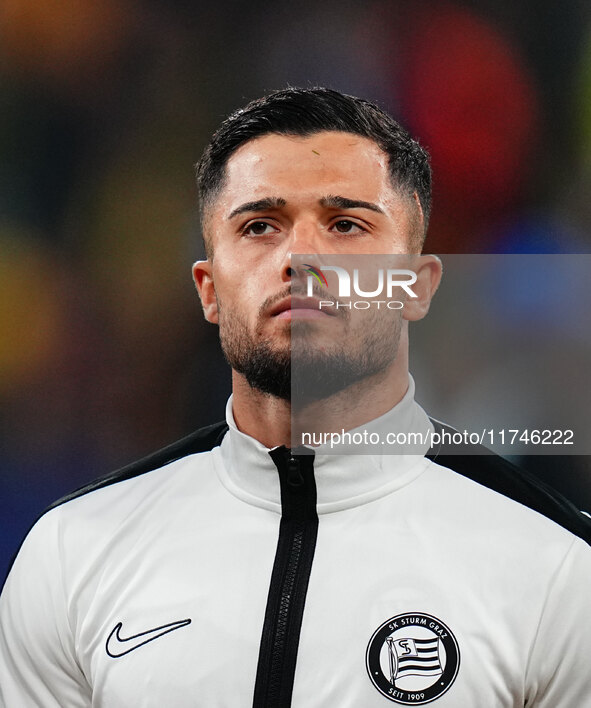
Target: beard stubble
[(302, 370)]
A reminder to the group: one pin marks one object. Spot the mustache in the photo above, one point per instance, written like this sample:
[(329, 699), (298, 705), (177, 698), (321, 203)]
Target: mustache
[(296, 290)]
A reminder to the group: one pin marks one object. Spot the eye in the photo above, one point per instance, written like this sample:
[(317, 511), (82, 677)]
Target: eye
[(258, 228), (345, 226)]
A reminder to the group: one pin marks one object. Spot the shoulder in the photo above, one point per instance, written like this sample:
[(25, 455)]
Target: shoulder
[(498, 475), (202, 440), (145, 481)]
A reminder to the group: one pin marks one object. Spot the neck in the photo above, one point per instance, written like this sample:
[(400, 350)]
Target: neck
[(273, 421)]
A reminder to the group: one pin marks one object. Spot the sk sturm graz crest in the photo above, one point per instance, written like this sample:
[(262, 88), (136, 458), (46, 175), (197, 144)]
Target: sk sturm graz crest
[(413, 658)]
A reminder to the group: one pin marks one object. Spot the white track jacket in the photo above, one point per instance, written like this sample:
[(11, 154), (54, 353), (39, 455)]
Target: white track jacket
[(219, 574)]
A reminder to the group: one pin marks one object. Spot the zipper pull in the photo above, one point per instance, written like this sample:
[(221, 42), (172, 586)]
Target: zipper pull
[(294, 474)]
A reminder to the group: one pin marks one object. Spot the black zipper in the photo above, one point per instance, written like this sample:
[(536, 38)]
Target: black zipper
[(298, 530)]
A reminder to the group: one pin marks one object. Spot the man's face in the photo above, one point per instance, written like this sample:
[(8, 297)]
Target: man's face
[(328, 193)]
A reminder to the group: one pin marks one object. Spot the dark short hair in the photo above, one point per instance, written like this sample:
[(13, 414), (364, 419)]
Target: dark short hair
[(304, 112)]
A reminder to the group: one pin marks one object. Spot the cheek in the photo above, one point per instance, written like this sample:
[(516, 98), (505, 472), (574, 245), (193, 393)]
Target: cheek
[(244, 285), (236, 298), (226, 278)]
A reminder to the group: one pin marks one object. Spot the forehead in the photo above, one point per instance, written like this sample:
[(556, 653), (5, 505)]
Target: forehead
[(297, 167)]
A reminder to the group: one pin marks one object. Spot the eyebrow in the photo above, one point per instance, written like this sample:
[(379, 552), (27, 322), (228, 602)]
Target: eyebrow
[(331, 201), (338, 202), (259, 205)]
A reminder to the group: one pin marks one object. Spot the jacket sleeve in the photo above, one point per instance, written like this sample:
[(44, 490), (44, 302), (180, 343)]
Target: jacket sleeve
[(38, 666), (558, 671)]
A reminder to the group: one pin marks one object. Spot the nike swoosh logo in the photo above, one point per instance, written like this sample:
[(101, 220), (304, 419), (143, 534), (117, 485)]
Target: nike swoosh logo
[(117, 645)]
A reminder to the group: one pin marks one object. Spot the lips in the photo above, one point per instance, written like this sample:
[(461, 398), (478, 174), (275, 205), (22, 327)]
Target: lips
[(299, 303)]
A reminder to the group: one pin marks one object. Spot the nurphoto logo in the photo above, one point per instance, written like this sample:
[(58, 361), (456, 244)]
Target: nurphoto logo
[(387, 279)]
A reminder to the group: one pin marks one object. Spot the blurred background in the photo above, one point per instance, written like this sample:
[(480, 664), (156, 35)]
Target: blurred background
[(105, 105)]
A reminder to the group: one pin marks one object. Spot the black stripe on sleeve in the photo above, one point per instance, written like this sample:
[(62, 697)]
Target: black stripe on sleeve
[(485, 467), (201, 440)]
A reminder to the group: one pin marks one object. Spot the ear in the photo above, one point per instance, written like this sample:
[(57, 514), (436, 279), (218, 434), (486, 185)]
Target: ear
[(429, 271), (203, 277)]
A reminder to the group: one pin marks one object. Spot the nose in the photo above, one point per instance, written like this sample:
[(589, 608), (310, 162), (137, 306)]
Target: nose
[(305, 238)]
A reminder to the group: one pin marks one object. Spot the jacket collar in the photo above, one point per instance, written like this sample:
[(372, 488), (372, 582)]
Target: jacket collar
[(347, 474)]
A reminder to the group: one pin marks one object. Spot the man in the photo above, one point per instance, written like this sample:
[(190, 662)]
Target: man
[(231, 569)]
